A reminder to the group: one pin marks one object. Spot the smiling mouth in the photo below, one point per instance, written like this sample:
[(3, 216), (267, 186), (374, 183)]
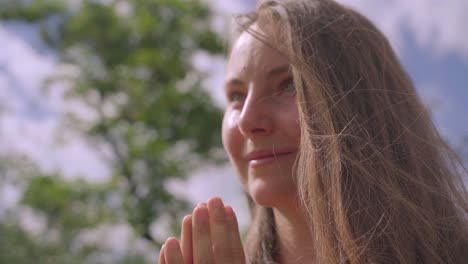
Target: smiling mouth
[(265, 160)]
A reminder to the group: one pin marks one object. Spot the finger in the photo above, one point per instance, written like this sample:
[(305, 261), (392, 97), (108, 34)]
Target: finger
[(219, 231), (162, 260), (172, 252), (187, 251), (237, 250), (201, 240)]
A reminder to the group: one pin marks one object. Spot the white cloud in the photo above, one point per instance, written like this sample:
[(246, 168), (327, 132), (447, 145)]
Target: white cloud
[(9, 196), (230, 7), (437, 25), (38, 140), (31, 221), (214, 67), (31, 119), (440, 25)]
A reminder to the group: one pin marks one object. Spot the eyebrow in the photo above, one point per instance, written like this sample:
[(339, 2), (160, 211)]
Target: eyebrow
[(272, 72), (279, 69)]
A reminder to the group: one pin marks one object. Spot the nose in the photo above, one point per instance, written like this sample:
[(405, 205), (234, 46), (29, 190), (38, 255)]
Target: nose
[(256, 117)]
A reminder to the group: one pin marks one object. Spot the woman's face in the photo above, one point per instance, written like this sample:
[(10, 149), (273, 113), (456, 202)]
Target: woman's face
[(261, 130)]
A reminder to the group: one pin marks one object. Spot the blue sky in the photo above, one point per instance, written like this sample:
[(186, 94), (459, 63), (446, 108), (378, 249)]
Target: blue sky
[(442, 80), (429, 38)]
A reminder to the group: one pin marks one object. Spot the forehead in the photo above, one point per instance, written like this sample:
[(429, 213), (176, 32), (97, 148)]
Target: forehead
[(250, 56)]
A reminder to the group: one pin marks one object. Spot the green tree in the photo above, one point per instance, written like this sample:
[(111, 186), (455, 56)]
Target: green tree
[(130, 64), (68, 207), (16, 244)]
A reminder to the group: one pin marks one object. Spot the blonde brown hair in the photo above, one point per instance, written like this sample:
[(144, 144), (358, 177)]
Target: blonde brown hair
[(376, 180)]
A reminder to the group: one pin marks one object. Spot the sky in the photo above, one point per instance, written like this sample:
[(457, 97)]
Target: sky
[(429, 37)]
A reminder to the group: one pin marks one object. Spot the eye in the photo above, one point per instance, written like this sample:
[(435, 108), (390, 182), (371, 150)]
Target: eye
[(236, 97), (288, 86)]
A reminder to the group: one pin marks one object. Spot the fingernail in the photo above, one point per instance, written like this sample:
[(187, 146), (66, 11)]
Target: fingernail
[(229, 211), (187, 221), (216, 203), (162, 252), (172, 243), (201, 215)]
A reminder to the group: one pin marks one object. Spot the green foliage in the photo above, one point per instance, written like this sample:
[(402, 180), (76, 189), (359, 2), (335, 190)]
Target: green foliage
[(19, 246), (133, 69), (73, 205), (29, 10), (16, 246)]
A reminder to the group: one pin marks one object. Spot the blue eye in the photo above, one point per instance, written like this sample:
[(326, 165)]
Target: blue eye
[(288, 86), (236, 97)]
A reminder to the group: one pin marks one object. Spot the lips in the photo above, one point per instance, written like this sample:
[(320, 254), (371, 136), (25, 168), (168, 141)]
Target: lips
[(262, 157)]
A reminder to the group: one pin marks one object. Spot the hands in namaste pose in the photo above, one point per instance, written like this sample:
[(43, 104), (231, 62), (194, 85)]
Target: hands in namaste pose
[(209, 235)]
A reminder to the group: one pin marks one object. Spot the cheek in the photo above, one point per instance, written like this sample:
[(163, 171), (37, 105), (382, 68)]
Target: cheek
[(232, 138), (233, 142), (289, 116)]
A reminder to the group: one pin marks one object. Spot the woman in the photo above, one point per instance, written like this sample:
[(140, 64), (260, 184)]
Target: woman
[(340, 160)]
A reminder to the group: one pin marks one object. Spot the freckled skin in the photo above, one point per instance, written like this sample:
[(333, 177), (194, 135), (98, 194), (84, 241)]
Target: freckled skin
[(262, 115)]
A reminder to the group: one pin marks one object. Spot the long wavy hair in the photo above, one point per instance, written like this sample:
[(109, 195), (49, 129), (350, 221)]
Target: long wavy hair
[(377, 182)]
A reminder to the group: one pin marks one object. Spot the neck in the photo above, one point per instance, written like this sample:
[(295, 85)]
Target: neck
[(295, 242)]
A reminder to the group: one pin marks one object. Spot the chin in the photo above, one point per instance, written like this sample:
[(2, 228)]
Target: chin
[(269, 194)]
